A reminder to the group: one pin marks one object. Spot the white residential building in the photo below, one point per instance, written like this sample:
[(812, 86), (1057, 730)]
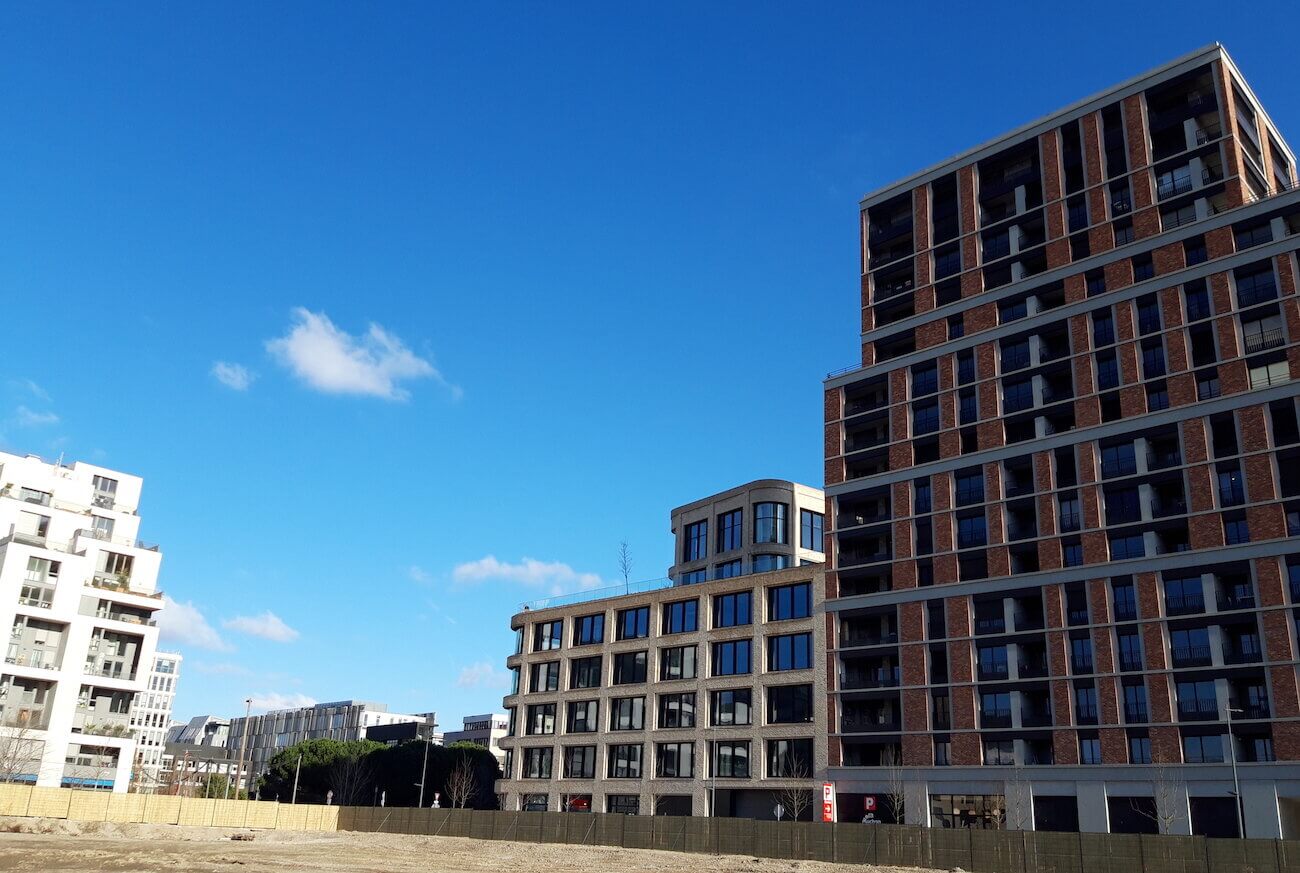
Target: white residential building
[(151, 718), (78, 591), (486, 730)]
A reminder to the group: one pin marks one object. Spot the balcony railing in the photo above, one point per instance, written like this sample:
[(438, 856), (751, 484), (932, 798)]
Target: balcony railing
[(39, 659), (852, 637), (1069, 521), (119, 584), (992, 672), (1081, 663), (1266, 339), (1168, 506), (1198, 710), (1085, 715), (1035, 717), (110, 671), (990, 625), (1191, 656), (1078, 616), (995, 719), (1174, 187), (1031, 669), (1184, 604), (1257, 294), (1125, 612), (1243, 656), (1251, 710), (1135, 714), (882, 678), (1236, 601), (1159, 459), (1130, 663)]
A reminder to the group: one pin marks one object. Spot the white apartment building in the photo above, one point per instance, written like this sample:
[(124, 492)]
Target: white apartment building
[(78, 591), (278, 729), (151, 718), (487, 730)]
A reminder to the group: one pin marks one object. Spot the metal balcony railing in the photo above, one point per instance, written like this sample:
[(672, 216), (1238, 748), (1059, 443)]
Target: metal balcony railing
[(1184, 604), (1198, 710), (1191, 656), (1266, 339)]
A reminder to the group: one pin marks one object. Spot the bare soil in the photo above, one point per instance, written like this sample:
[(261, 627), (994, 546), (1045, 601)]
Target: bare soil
[(55, 846)]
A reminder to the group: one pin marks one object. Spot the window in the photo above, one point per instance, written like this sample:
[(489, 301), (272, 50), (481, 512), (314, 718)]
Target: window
[(1153, 360), (584, 673), (623, 804), (580, 762), (965, 367), (537, 763), (588, 630), (627, 714), (925, 417), (968, 406), (1118, 460), (789, 601), (956, 327), (677, 663), (921, 495), (1126, 545), (1143, 268), (1017, 394), (729, 530), (1135, 703), (770, 524), (694, 577), (546, 635), (732, 610), (1085, 697), (677, 710), (727, 570), (925, 379), (1139, 750), (1107, 371), (789, 652), (811, 530), (730, 708), (675, 760), (767, 563), (545, 677), (514, 680), (629, 668), (583, 717), (731, 658), (1123, 232), (970, 487), (789, 704), (634, 624), (971, 532), (696, 546), (731, 760), (680, 617), (1089, 750), (999, 752), (1235, 530), (1096, 282), (1203, 750), (789, 759), (624, 762)]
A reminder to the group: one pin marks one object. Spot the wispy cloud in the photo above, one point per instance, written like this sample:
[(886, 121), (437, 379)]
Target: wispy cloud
[(267, 626), (30, 387), (234, 376), (31, 418), (334, 361), (483, 674), (184, 624), (556, 575), (419, 575), (267, 700), (220, 668)]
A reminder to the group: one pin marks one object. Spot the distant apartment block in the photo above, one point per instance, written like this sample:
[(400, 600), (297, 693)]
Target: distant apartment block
[(201, 730), (487, 730), (78, 591), (151, 718), (278, 729), (1064, 476)]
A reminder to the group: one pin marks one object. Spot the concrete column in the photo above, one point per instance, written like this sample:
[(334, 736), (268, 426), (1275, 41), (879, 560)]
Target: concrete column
[(1094, 815), (916, 803), (1020, 805), (1145, 496), (1260, 809), (1176, 809)]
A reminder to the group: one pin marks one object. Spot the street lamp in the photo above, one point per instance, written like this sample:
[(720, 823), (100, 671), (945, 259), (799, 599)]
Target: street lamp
[(424, 768), (1236, 782)]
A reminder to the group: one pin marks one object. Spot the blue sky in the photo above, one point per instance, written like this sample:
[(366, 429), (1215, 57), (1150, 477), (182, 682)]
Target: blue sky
[(369, 294)]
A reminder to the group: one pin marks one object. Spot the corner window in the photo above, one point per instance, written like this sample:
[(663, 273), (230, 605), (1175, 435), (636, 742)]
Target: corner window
[(770, 523)]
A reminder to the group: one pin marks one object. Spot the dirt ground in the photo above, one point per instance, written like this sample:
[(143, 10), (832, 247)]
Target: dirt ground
[(53, 846)]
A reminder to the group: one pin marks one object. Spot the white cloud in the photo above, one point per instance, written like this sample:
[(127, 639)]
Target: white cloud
[(268, 626), (419, 574), (184, 624), (335, 362), (29, 386), (233, 376), (483, 674), (267, 700), (558, 576), (30, 418)]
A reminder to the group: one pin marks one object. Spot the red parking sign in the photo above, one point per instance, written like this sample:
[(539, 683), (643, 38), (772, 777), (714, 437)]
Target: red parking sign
[(869, 803)]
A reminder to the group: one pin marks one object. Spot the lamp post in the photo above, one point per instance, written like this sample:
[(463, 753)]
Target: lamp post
[(243, 744), (1236, 782)]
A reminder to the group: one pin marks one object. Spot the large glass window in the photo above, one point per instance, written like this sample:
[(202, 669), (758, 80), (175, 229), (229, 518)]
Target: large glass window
[(537, 763), (768, 563), (545, 677), (789, 601), (588, 630), (696, 545), (1203, 750), (731, 658), (729, 530), (541, 719), (546, 635), (732, 610), (789, 704), (624, 762), (675, 760), (789, 652), (580, 762), (627, 714), (680, 617), (677, 710), (790, 759), (584, 672), (677, 663), (731, 759), (812, 530), (770, 523), (583, 717), (970, 487), (727, 569), (633, 624), (730, 708), (629, 667)]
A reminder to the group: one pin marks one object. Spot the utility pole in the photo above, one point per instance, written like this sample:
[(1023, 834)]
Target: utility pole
[(1236, 782), (243, 744), (424, 768), (296, 770)]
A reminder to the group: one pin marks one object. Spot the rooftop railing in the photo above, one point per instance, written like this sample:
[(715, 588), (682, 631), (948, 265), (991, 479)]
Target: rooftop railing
[(598, 594)]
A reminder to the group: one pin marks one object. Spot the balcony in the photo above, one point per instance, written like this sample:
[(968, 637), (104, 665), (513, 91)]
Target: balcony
[(1174, 187), (1184, 604), (1129, 663), (110, 671), (1251, 710), (1167, 506), (1125, 612), (1238, 655), (1035, 718), (1239, 600), (1252, 294), (1198, 710), (1160, 459), (120, 585), (1032, 669), (1081, 663), (885, 677), (104, 724), (1069, 521), (866, 722), (1135, 714), (130, 618), (990, 625), (996, 719), (852, 637), (1077, 615), (36, 595), (1191, 656), (992, 672), (39, 658), (1029, 623), (1263, 340), (1085, 715)]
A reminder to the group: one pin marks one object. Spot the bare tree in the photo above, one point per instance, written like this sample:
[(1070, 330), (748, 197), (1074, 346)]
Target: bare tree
[(461, 785), (350, 776), (1169, 794), (795, 800), (20, 748), (892, 761), (1016, 804), (625, 562)]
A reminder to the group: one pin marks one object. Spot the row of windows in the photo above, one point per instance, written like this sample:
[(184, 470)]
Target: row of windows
[(771, 525), (786, 758), (786, 704), (784, 602), (729, 658)]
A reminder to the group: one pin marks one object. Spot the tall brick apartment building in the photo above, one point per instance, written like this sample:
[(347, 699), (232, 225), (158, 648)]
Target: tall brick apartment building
[(1064, 482)]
